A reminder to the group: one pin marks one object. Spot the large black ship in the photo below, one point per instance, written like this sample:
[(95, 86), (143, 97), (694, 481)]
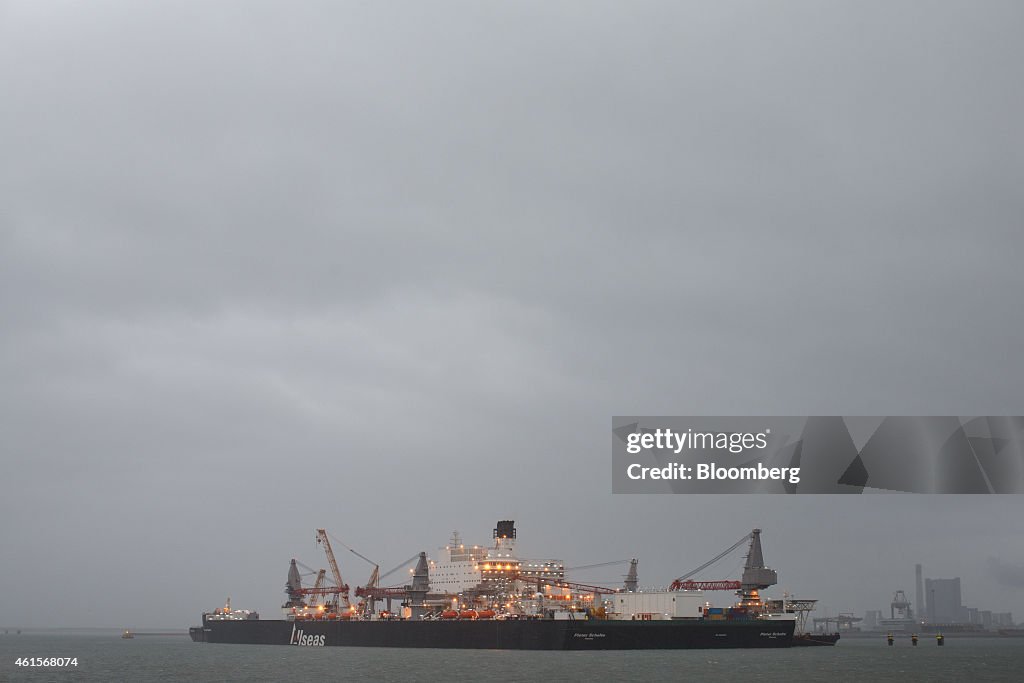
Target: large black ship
[(505, 634), (488, 598)]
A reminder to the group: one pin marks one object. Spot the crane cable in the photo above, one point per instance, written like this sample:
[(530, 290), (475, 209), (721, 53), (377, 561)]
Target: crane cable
[(384, 576), (309, 570), (717, 557), (352, 550), (371, 562), (595, 566)]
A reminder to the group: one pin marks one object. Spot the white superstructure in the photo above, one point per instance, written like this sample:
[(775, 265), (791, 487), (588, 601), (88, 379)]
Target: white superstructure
[(459, 569), (463, 568)]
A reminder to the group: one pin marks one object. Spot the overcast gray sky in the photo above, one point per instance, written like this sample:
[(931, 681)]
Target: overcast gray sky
[(390, 268)]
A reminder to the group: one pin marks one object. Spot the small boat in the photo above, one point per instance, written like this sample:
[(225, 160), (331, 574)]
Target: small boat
[(127, 634)]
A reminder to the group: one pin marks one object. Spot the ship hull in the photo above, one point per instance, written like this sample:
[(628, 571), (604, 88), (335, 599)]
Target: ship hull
[(503, 634)]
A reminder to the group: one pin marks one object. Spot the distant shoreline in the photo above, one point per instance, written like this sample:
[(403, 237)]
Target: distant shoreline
[(923, 635)]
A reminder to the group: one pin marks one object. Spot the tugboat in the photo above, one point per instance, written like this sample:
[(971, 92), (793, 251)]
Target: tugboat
[(814, 639), (801, 608)]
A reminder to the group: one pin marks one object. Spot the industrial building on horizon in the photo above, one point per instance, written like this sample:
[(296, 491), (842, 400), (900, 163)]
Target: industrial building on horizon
[(939, 606)]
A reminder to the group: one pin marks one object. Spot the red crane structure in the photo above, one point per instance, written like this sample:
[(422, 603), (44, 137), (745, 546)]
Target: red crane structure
[(340, 588), (755, 575)]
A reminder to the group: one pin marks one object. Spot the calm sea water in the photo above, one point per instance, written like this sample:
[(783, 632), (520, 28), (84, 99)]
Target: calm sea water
[(176, 658)]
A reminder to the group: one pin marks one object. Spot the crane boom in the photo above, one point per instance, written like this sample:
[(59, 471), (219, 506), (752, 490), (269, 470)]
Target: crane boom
[(755, 575), (368, 606), (705, 585), (316, 585), (560, 583), (321, 537), (342, 589)]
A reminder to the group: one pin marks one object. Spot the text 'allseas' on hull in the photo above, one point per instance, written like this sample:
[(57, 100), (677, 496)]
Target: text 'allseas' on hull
[(527, 634)]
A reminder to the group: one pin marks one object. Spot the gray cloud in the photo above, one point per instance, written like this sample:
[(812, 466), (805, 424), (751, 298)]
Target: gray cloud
[(1007, 574)]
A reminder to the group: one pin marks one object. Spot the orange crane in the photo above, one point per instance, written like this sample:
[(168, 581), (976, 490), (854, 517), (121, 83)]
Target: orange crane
[(682, 584), (367, 605), (374, 590), (315, 596), (340, 587)]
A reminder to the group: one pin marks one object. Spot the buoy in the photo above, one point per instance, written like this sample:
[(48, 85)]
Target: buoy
[(889, 638), (913, 640), (940, 640)]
